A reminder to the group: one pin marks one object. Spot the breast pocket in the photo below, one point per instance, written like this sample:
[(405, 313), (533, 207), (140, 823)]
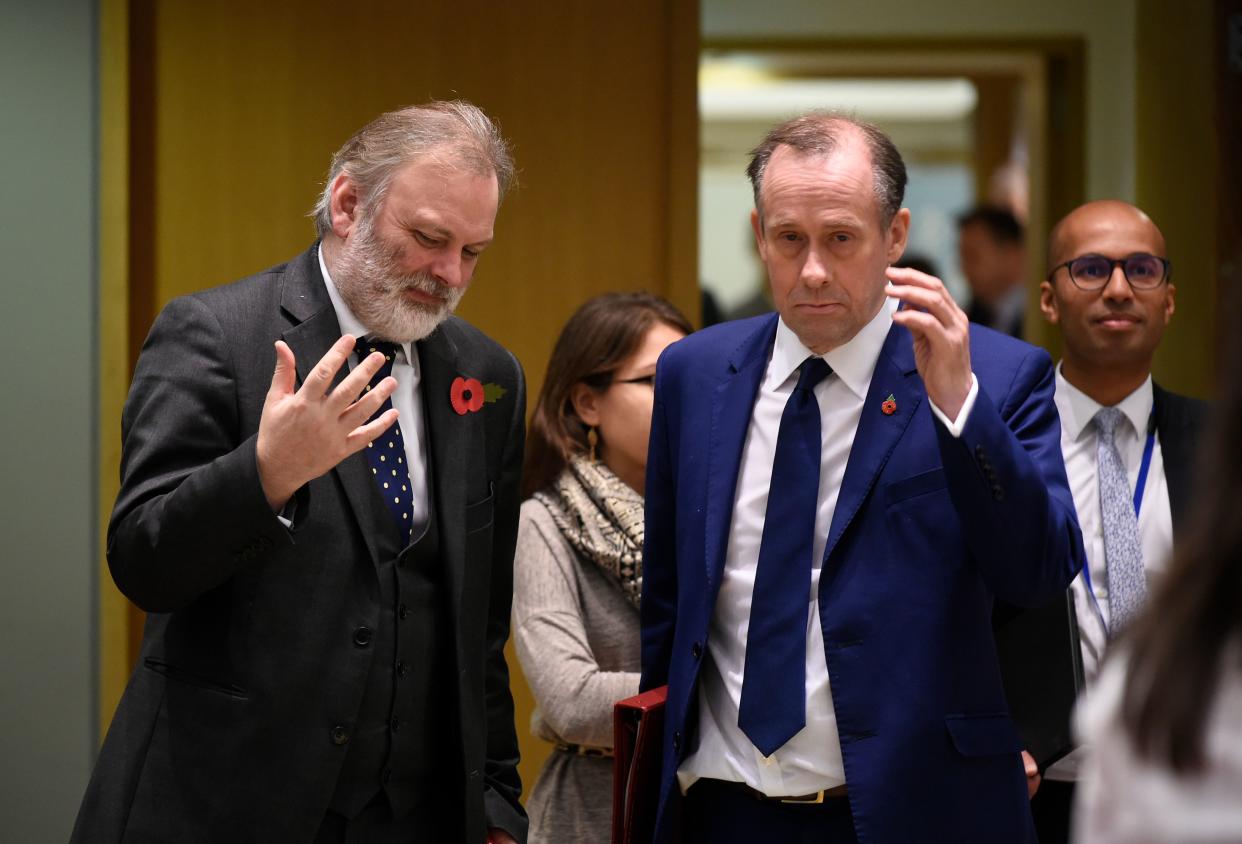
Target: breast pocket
[(914, 486)]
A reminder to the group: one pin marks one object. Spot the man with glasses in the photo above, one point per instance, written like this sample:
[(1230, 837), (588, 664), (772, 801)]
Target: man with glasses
[(1128, 444)]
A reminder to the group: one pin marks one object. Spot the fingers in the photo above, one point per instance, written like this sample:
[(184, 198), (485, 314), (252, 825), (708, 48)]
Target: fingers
[(354, 384), (320, 377), (906, 275), (918, 290), (370, 402), (285, 374), (921, 324), (360, 436), (1033, 778)]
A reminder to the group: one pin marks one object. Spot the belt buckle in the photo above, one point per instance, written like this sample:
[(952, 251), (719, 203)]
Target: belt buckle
[(806, 799)]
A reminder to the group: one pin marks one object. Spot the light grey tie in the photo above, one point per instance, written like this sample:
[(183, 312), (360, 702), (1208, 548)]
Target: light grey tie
[(1127, 581)]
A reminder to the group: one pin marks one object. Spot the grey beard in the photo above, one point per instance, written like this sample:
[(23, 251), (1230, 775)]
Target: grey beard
[(368, 280)]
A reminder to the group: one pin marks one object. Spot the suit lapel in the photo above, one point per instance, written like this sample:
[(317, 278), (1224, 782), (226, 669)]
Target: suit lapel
[(1177, 449), (451, 439), (877, 433), (733, 403), (305, 301)]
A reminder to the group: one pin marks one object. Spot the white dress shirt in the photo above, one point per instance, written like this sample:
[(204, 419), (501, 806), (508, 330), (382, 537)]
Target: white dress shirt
[(1155, 521), (405, 399), (811, 760)]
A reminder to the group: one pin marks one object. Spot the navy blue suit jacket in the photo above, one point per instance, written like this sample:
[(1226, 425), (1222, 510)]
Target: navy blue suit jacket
[(927, 529)]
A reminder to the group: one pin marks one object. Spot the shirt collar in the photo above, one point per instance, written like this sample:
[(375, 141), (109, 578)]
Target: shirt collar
[(349, 323), (853, 361), (1077, 409)]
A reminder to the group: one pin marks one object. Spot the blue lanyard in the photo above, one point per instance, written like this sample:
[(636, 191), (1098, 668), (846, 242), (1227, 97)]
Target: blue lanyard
[(1139, 488)]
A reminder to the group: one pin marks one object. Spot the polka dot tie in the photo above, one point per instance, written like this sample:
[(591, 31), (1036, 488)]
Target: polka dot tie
[(387, 453)]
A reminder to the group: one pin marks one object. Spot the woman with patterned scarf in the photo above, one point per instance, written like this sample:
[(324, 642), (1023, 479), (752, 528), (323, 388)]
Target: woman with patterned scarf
[(578, 566)]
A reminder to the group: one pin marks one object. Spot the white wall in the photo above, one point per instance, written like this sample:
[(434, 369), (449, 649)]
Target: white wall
[(1107, 26), (47, 414)]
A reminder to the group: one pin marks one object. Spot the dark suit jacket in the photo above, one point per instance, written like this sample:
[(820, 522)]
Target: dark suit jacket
[(248, 668), (926, 530), (1180, 422)]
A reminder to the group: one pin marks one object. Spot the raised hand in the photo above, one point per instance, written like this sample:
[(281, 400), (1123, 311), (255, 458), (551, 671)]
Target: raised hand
[(941, 336), (305, 433)]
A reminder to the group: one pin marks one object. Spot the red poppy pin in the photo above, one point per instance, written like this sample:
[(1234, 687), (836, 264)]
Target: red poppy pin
[(468, 395), (889, 407)]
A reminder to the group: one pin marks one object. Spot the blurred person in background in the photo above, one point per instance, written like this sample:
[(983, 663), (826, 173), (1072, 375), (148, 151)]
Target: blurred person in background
[(1164, 723), (578, 567), (992, 253)]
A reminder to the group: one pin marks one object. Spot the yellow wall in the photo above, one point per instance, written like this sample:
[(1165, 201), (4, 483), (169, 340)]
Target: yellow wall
[(234, 109), (114, 658), (1175, 141)]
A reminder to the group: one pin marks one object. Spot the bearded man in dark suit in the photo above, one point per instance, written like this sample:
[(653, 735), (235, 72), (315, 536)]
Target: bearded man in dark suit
[(318, 511)]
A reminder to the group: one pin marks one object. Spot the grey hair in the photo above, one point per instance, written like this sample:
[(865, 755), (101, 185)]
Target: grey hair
[(819, 133), (467, 137)]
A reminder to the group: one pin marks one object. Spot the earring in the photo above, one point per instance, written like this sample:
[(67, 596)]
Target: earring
[(592, 441)]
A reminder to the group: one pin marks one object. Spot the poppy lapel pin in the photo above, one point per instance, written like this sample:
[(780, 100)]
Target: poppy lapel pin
[(468, 395), (889, 406)]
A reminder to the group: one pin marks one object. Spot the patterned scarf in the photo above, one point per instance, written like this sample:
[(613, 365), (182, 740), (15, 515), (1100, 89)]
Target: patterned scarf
[(602, 520)]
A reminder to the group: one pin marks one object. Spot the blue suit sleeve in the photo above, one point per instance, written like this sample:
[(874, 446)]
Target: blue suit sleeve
[(659, 596), (1006, 476)]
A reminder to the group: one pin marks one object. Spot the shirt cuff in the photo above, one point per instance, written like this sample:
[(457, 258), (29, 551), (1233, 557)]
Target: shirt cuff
[(289, 512), (955, 427)]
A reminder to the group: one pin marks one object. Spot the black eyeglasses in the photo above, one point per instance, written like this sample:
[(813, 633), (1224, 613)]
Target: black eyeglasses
[(1092, 272)]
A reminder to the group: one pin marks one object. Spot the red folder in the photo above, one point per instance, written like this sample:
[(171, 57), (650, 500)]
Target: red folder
[(638, 730)]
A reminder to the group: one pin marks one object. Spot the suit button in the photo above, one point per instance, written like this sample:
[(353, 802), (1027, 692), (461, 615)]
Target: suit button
[(998, 494), (402, 612), (677, 741), (362, 637), (400, 668), (980, 454), (387, 775), (697, 650), (396, 725), (340, 735)]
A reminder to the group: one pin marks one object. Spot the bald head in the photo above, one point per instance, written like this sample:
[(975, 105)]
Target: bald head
[(1110, 329), (1102, 227)]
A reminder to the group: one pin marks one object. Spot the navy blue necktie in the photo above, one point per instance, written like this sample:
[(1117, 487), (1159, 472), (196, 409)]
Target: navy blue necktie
[(386, 454), (773, 707)]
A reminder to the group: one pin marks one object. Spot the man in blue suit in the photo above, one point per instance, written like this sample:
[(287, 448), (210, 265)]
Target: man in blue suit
[(835, 494)]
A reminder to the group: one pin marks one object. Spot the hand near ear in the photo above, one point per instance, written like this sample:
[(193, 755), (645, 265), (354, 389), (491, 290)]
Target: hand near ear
[(941, 336)]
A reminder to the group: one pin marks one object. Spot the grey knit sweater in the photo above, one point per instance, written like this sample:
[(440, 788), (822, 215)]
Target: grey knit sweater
[(578, 641)]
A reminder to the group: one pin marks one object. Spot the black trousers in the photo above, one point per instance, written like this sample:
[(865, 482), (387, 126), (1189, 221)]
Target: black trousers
[(717, 813), (1051, 807)]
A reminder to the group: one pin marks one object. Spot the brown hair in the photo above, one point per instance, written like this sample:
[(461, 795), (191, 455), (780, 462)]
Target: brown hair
[(819, 133), (596, 340), (1177, 643)]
